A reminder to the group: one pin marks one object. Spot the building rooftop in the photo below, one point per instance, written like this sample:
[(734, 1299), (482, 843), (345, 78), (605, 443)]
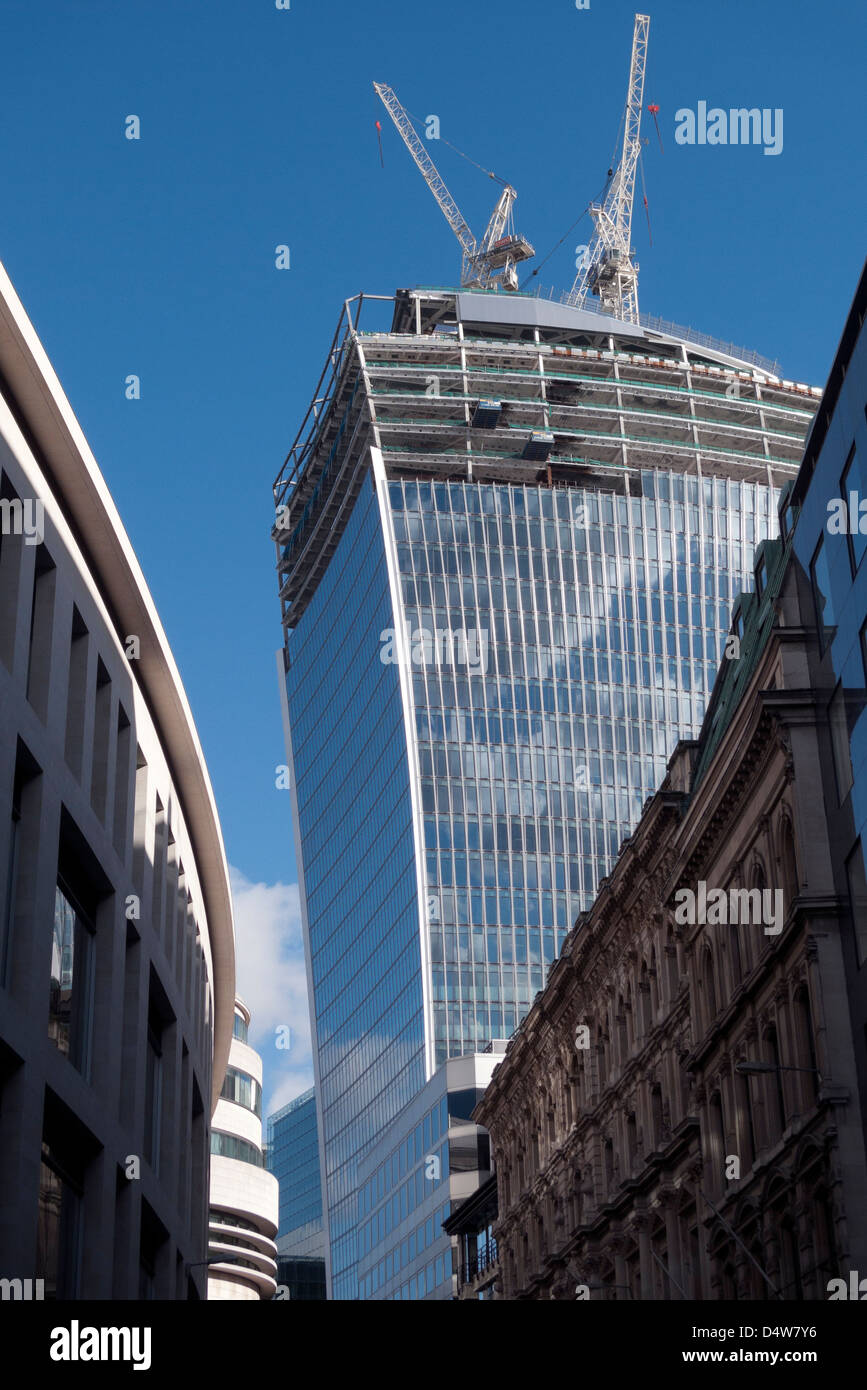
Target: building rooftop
[(485, 387)]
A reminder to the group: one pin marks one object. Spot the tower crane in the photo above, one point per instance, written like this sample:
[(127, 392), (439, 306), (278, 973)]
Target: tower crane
[(490, 261), (608, 269)]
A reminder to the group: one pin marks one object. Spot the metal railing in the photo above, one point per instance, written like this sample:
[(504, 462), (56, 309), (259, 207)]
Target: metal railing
[(649, 321), (673, 330), (481, 1259)]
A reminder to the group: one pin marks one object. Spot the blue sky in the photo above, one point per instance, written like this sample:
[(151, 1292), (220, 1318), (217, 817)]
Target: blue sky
[(156, 258)]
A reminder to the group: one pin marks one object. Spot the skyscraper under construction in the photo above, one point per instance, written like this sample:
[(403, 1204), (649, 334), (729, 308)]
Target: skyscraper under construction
[(509, 534)]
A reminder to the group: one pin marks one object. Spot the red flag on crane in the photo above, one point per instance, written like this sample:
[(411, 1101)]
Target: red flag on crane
[(379, 138), (654, 111)]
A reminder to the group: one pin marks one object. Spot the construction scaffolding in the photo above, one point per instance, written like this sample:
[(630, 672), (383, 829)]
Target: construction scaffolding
[(449, 396)]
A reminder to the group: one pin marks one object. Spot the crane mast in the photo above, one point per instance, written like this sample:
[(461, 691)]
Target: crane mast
[(484, 263), (608, 270)]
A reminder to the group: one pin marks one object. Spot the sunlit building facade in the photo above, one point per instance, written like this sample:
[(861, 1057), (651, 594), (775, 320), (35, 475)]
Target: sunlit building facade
[(244, 1195), (509, 535), (117, 962)]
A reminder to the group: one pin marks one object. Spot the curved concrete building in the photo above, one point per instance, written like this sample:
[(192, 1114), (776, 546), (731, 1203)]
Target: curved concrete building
[(244, 1196), (116, 939)]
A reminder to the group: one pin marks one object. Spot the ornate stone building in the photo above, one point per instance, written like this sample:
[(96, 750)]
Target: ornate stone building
[(678, 1115)]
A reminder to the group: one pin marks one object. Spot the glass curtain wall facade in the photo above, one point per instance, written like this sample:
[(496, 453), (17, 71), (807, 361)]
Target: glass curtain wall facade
[(351, 791), (293, 1158), (602, 619), (490, 652)]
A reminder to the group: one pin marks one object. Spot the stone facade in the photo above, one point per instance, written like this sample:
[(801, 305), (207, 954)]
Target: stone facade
[(117, 968), (634, 1158)]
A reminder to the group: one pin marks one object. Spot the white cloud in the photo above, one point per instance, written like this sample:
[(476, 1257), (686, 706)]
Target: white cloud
[(272, 981)]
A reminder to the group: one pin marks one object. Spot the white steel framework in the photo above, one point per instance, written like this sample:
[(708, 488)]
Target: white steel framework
[(608, 269), (489, 261)]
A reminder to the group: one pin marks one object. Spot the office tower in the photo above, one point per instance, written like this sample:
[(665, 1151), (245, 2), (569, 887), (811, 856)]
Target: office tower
[(116, 941), (243, 1215), (293, 1158), (509, 533)]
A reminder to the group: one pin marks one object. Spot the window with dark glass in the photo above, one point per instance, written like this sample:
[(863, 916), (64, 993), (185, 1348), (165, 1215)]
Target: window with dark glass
[(152, 1236), (153, 1093), (58, 1230), (243, 1090), (821, 584), (68, 1148), (11, 879), (760, 577), (26, 772), (857, 881), (776, 1091), (840, 742), (230, 1146), (853, 490), (70, 1007)]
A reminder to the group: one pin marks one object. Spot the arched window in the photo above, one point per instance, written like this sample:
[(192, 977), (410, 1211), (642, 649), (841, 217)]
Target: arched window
[(789, 865), (631, 1139), (746, 946), (656, 1114), (746, 1123), (707, 987), (602, 1055), (534, 1146), (717, 1139), (775, 1093), (806, 1044), (671, 966), (644, 1003), (737, 966), (622, 1033), (654, 985)]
